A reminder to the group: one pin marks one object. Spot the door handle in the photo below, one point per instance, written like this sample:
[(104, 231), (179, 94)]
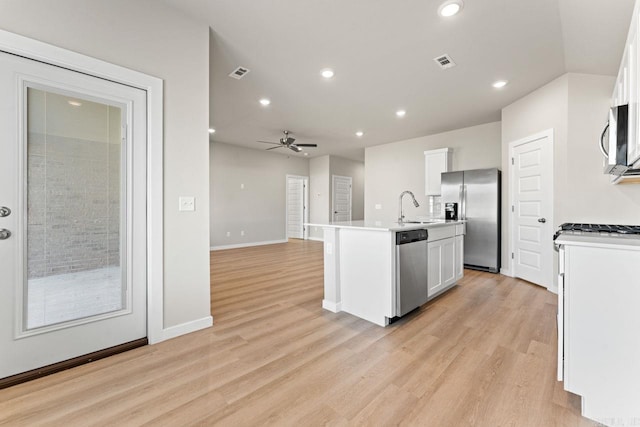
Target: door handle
[(4, 211), (4, 234), (542, 220)]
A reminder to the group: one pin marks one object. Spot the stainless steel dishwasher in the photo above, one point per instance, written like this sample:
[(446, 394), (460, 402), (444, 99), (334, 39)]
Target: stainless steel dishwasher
[(411, 270)]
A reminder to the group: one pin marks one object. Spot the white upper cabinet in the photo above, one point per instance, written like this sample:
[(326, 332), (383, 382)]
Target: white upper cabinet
[(436, 162)]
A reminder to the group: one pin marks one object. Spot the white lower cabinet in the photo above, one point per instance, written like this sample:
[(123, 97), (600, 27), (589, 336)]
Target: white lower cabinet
[(598, 324), (459, 257), (441, 262)]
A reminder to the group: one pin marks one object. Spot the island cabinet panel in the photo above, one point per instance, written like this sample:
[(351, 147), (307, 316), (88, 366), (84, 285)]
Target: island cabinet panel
[(361, 275), (598, 324)]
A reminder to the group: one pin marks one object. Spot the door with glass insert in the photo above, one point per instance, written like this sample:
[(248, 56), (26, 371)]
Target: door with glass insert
[(72, 214)]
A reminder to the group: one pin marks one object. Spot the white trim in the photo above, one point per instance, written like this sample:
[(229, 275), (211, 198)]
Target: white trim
[(317, 239), (333, 199), (187, 327), (506, 272), (305, 214), (33, 49), (335, 307), (531, 138), (247, 245)]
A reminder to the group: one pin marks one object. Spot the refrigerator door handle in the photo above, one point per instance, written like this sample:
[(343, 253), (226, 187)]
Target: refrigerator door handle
[(460, 202), (463, 206)]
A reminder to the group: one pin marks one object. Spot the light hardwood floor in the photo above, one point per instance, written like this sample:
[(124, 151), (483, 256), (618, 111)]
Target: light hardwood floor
[(483, 354)]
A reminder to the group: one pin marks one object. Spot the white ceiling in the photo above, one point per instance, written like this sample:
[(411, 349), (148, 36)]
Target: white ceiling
[(382, 52)]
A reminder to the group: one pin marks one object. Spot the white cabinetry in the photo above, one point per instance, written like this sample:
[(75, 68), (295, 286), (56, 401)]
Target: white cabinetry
[(445, 251), (598, 323), (459, 257), (436, 162), (627, 87)]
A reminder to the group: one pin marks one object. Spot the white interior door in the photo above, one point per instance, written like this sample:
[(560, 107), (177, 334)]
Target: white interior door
[(532, 208), (73, 174), (341, 198), (296, 206)]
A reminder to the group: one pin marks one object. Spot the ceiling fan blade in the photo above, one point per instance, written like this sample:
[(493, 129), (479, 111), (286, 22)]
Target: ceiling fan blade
[(295, 148), (269, 142), (273, 148), (307, 145)]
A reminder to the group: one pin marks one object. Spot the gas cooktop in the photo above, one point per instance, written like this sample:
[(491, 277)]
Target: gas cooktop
[(610, 229)]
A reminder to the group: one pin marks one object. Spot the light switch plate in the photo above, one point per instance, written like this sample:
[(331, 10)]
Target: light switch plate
[(187, 204)]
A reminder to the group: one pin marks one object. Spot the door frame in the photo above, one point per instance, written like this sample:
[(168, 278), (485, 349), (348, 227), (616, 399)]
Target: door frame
[(333, 188), (512, 235), (305, 214), (53, 55)]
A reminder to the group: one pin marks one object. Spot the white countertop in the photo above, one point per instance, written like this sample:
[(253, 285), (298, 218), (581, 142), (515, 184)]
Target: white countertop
[(386, 225), (604, 240)]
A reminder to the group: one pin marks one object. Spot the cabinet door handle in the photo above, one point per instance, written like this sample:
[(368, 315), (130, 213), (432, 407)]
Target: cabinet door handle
[(542, 220)]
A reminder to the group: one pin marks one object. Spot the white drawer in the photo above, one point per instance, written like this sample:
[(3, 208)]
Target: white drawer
[(439, 233)]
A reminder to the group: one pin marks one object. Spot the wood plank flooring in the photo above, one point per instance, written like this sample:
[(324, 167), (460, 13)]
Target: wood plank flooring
[(483, 354)]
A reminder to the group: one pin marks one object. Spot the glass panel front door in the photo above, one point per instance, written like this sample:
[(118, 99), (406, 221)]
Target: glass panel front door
[(75, 200)]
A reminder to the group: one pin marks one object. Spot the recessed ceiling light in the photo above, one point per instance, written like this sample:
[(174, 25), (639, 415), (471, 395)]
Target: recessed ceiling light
[(401, 113), (450, 8), (359, 133), (327, 73), (212, 130), (75, 103), (500, 84), (265, 102), (306, 154)]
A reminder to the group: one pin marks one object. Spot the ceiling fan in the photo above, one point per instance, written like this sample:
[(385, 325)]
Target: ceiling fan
[(287, 141)]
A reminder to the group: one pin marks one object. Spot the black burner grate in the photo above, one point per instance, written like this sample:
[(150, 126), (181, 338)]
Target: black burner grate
[(601, 228)]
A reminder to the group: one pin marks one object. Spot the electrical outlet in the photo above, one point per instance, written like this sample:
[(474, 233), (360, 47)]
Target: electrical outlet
[(242, 232), (378, 206), (187, 204), (228, 234), (242, 186)]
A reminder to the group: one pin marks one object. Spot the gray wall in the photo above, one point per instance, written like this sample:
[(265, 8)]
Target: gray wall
[(319, 195), (354, 169), (152, 38), (398, 166), (321, 170), (575, 106), (258, 209)]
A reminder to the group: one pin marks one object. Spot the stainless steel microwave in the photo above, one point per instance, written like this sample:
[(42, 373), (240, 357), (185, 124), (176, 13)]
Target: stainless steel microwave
[(614, 148)]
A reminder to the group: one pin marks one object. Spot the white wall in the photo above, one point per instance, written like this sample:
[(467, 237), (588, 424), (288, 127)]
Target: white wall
[(259, 209), (152, 38), (319, 194), (575, 106), (354, 169), (398, 166), (321, 182), (545, 108)]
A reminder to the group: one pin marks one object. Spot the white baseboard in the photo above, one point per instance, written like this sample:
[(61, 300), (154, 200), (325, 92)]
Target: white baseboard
[(331, 306), (553, 289), (186, 328), (317, 239), (247, 245), (506, 272)]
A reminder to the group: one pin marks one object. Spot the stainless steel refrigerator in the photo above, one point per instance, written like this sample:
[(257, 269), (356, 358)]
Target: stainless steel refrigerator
[(477, 193)]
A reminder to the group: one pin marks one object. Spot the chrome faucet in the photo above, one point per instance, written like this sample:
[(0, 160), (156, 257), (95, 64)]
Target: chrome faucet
[(415, 203)]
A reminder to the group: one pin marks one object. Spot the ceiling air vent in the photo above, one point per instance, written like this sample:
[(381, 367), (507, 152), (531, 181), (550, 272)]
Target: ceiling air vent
[(445, 61), (239, 73)]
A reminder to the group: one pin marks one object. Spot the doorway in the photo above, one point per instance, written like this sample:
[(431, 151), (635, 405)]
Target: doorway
[(531, 178), (341, 194), (297, 202), (73, 249)]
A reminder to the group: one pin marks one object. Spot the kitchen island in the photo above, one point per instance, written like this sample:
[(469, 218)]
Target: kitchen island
[(361, 274)]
